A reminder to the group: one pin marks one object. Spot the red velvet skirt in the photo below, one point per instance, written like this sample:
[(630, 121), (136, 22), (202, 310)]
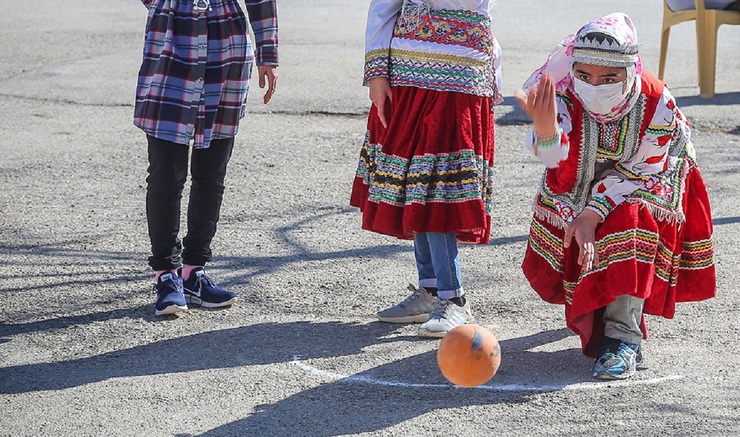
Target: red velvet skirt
[(431, 169), (660, 261)]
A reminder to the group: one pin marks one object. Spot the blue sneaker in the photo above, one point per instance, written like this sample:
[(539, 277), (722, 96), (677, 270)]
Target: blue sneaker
[(638, 350), (617, 361), (201, 291), (170, 298)]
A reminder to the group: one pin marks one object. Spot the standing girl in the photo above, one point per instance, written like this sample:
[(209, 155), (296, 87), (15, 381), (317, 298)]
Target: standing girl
[(433, 69), (192, 89)]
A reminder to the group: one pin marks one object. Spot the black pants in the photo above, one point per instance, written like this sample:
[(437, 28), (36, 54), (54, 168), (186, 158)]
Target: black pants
[(168, 171)]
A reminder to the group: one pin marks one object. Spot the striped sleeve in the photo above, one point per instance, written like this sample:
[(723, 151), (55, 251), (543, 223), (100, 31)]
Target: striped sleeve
[(264, 21), (381, 19)]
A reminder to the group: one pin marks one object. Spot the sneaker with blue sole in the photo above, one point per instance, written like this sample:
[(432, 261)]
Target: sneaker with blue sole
[(618, 360), (201, 291), (170, 296)]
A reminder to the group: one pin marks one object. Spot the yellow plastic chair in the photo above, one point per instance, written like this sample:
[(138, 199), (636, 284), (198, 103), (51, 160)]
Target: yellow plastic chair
[(707, 23)]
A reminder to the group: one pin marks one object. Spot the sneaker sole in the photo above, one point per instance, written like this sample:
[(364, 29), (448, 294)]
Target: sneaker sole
[(193, 300), (170, 310), (419, 318), (423, 332), (606, 376), (431, 334)]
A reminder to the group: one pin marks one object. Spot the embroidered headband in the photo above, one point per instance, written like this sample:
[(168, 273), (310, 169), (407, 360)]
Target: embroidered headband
[(607, 52), (610, 41)]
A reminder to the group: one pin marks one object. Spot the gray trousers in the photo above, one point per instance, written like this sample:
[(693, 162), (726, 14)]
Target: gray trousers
[(622, 319)]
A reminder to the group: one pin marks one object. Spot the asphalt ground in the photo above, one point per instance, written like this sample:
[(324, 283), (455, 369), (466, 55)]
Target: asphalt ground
[(301, 354)]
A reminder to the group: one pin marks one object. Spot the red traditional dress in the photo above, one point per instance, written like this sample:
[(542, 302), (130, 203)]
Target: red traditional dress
[(430, 170), (639, 172)]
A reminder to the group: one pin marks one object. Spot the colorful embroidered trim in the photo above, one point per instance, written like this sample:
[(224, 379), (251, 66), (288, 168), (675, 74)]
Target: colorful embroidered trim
[(697, 254), (661, 130), (570, 289), (441, 73), (664, 262), (435, 69), (445, 178), (612, 137), (603, 205), (663, 192), (449, 27), (548, 141), (376, 65), (637, 244), (547, 245)]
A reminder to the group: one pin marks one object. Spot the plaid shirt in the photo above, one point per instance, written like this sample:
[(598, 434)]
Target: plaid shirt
[(198, 57)]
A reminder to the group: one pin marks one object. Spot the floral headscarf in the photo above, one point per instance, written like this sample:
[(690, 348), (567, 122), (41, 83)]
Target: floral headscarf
[(578, 48)]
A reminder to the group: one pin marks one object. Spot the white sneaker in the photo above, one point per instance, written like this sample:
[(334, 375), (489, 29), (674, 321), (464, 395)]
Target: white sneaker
[(414, 309), (444, 318)]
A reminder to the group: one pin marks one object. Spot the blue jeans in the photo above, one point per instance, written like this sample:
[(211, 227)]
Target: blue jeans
[(438, 263)]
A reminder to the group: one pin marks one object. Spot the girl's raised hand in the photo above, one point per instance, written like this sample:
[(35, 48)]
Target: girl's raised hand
[(540, 106)]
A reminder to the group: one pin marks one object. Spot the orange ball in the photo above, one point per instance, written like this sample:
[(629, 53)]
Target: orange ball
[(469, 355)]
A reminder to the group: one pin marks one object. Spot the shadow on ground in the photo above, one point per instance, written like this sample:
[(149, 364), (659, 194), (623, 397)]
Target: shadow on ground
[(363, 403), (721, 99), (54, 257), (337, 407)]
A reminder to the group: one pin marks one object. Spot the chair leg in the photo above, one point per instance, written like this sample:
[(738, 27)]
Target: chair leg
[(663, 51), (707, 68)]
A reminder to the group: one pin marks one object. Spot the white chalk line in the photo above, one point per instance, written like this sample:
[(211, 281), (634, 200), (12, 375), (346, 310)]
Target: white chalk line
[(495, 387)]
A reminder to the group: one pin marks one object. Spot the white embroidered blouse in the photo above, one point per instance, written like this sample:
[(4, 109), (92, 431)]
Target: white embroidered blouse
[(444, 45), (625, 165)]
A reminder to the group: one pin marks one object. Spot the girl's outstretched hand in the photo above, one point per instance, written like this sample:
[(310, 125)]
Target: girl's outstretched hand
[(540, 106), (583, 228), (380, 91)]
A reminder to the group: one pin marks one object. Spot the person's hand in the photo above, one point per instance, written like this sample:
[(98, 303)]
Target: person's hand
[(583, 228), (380, 91), (268, 75), (540, 106)]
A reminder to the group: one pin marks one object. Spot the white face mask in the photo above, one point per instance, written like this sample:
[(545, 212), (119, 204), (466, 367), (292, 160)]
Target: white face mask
[(600, 99)]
